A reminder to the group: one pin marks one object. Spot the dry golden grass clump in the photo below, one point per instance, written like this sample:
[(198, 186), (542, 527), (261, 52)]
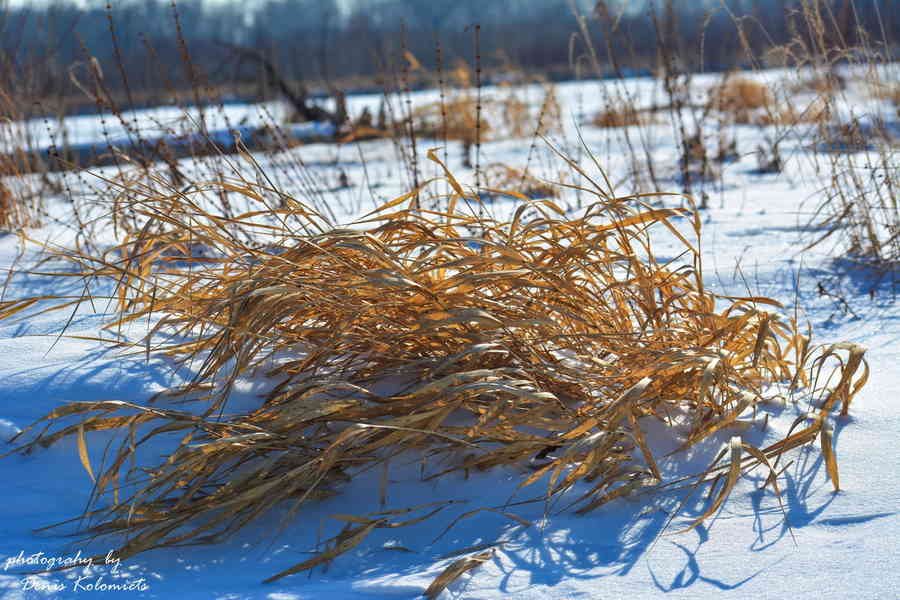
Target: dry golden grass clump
[(740, 96), (550, 333), (457, 119), (501, 177), (625, 116), (515, 118), (468, 116)]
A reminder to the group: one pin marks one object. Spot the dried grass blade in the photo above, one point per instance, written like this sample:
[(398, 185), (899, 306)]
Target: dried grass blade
[(455, 571), (734, 473), (645, 449), (345, 541), (83, 453), (825, 436)]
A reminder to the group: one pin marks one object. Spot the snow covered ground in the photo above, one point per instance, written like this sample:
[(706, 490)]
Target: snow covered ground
[(824, 544)]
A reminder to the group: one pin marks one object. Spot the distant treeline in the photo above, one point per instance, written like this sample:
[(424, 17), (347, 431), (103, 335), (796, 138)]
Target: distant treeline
[(142, 45)]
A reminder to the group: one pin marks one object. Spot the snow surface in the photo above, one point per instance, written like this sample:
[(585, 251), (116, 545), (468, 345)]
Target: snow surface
[(826, 545)]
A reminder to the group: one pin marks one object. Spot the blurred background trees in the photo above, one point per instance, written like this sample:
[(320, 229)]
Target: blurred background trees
[(321, 41)]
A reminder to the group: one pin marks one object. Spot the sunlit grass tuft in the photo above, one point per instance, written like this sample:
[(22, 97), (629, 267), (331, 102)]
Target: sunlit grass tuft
[(551, 335)]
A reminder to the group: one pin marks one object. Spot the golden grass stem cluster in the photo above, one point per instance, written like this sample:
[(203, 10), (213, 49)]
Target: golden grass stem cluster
[(477, 342)]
